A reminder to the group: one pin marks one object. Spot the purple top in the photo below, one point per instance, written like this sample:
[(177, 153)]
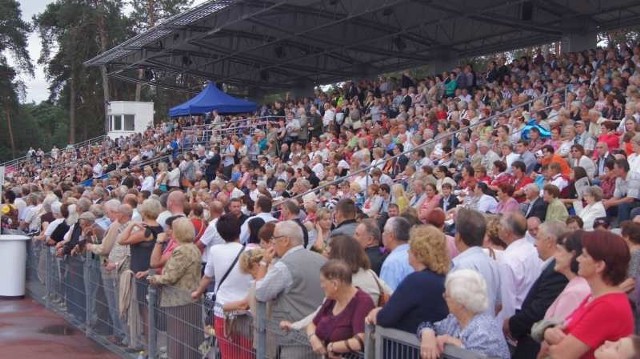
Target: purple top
[(347, 323)]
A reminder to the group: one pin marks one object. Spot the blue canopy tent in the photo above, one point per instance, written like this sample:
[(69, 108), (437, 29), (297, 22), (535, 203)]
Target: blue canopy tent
[(210, 99)]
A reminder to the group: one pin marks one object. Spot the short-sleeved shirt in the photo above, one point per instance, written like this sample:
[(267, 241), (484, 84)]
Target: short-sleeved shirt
[(608, 317), (628, 187), (347, 323)]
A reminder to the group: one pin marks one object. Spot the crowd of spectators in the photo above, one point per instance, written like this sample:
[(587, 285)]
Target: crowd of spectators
[(494, 210)]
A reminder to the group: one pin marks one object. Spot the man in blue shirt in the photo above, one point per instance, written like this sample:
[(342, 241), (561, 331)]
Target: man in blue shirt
[(471, 227), (395, 238)]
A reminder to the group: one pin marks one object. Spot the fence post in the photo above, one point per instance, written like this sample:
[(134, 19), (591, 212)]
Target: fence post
[(152, 332), (261, 337), (369, 342), (378, 348), (86, 272), (47, 277)]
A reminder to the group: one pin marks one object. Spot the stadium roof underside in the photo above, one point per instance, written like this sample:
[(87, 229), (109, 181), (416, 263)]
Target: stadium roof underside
[(281, 44)]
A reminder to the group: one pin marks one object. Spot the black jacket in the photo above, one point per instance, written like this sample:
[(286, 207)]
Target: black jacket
[(538, 209), (376, 258), (543, 292), (452, 202)]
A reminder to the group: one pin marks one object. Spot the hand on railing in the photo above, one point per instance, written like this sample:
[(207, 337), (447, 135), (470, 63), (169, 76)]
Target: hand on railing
[(286, 325), (372, 318), (196, 294), (317, 345), (141, 275), (110, 266), (429, 348)]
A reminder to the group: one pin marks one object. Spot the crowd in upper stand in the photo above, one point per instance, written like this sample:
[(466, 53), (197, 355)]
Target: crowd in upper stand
[(493, 210)]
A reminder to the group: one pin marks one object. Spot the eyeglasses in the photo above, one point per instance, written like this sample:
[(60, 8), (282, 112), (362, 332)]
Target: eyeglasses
[(273, 238)]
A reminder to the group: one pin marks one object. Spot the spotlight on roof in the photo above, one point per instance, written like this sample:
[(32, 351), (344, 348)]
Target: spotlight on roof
[(399, 43)]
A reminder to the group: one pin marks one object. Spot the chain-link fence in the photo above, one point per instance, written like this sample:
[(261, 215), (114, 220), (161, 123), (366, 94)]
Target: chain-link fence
[(137, 320)]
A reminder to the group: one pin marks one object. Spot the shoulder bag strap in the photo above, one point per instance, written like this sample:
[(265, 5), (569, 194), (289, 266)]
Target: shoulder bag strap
[(375, 277), (226, 274)]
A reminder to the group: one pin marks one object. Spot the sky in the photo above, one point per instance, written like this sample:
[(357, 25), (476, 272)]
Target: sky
[(37, 87)]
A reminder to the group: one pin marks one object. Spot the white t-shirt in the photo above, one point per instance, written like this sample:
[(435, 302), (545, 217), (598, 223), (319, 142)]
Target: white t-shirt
[(210, 238), (236, 286), (148, 184)]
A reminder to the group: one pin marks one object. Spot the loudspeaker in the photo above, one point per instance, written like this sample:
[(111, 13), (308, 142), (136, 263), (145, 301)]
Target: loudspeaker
[(527, 11)]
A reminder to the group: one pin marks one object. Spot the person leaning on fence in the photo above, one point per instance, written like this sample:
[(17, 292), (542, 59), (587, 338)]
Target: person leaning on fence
[(604, 316), (468, 325), (231, 285), (348, 250), (141, 238), (292, 283), (338, 328), (179, 277), (407, 307)]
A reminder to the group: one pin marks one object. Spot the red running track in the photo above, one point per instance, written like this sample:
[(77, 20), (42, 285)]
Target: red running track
[(28, 330)]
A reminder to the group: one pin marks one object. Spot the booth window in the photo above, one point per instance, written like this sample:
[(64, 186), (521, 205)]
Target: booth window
[(123, 123), (116, 123), (129, 122)]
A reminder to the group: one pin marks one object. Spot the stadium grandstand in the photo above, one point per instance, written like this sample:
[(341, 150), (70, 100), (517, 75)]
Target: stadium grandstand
[(470, 213)]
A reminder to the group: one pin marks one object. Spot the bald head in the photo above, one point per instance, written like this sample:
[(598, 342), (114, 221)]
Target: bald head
[(175, 202), (514, 226)]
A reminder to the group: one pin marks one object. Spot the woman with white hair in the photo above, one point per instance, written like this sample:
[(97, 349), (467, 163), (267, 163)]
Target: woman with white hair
[(467, 325), (594, 208)]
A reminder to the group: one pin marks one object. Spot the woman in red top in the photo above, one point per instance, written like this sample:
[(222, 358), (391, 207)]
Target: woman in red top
[(609, 136), (606, 314), (520, 180)]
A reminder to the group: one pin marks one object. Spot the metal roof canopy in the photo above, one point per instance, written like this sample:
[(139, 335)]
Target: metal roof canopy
[(283, 44)]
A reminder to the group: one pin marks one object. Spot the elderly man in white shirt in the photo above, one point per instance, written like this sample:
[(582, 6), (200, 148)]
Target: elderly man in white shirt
[(520, 264), (488, 156)]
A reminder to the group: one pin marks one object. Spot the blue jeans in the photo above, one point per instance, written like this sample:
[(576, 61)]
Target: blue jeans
[(634, 212), (625, 211), (92, 279), (110, 283)]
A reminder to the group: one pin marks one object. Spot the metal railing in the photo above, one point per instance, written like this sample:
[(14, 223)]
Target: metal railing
[(21, 160), (130, 317)]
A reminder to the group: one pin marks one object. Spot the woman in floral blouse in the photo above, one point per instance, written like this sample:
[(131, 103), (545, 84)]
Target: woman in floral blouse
[(180, 276), (467, 325)]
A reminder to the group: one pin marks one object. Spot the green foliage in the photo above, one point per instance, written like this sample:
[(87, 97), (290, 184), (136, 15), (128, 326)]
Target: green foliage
[(13, 34), (148, 13)]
